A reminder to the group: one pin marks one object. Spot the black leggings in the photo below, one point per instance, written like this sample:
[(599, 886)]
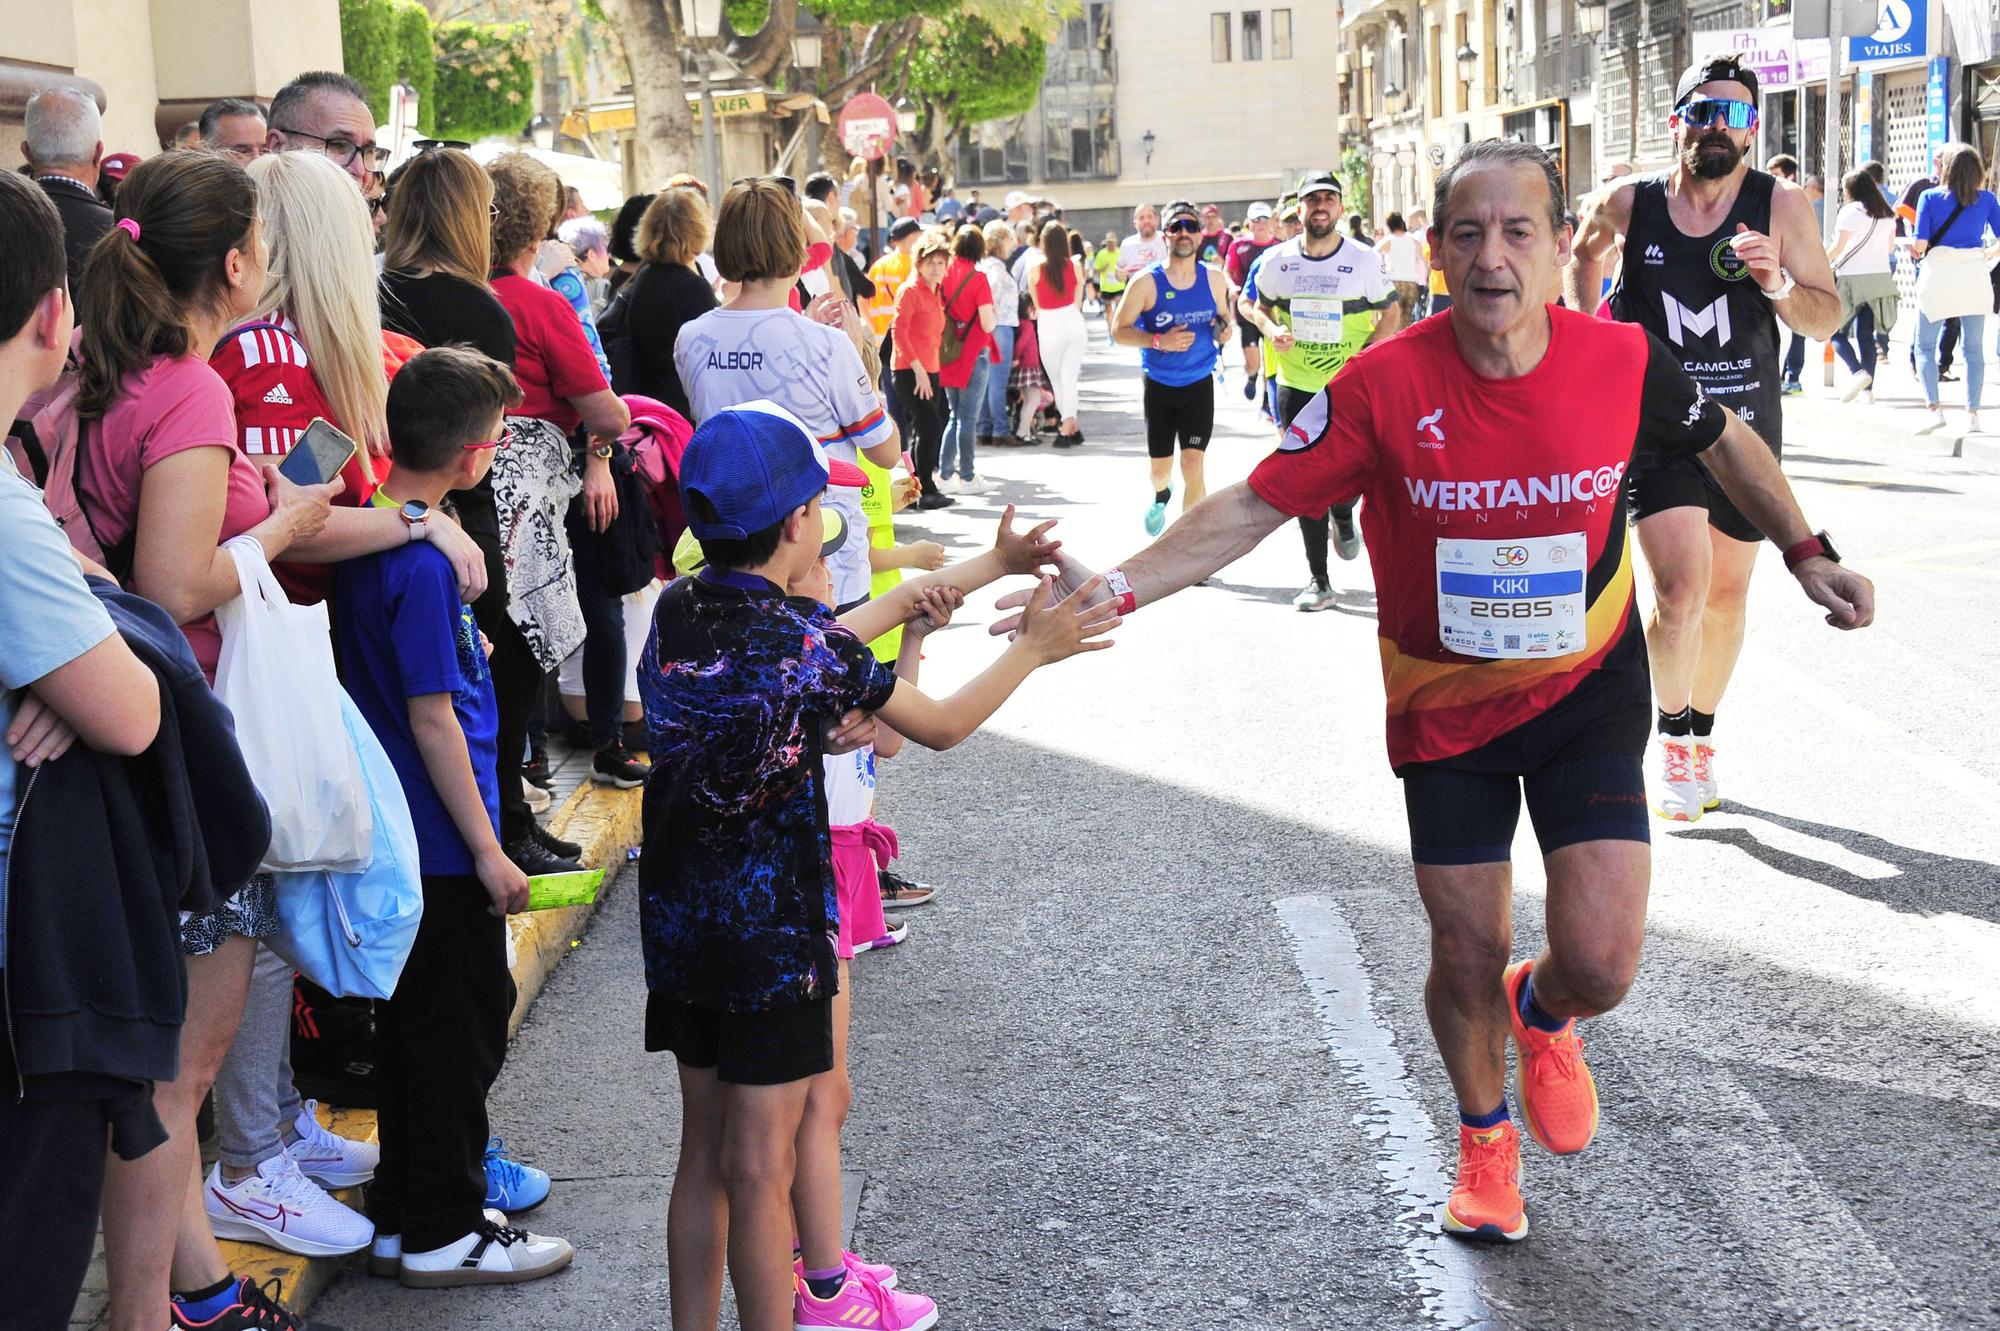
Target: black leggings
[(1315, 531), (927, 415), (517, 683)]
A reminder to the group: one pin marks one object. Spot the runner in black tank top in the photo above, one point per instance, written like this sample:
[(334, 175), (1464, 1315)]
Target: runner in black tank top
[(1715, 254), (1697, 296)]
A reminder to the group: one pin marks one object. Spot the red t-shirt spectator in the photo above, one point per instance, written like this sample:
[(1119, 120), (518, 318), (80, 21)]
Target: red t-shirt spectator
[(1046, 295), (270, 377), (919, 325), (963, 309), (552, 358)]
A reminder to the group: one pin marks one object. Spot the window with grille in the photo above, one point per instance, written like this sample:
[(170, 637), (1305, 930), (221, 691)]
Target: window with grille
[(1253, 34)]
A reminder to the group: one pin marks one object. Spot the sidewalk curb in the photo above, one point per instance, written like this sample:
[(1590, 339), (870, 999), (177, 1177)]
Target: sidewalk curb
[(605, 822)]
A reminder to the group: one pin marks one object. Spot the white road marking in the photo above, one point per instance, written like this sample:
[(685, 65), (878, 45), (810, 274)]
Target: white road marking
[(1809, 1244), (1406, 1155)]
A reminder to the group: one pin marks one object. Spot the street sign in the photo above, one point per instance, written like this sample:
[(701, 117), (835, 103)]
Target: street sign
[(1901, 32), (1809, 17), (1765, 51), (867, 127)]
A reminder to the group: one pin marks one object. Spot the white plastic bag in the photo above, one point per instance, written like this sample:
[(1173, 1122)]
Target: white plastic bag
[(275, 674)]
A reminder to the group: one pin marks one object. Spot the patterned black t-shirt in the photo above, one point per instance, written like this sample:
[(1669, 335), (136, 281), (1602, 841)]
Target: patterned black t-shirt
[(737, 904)]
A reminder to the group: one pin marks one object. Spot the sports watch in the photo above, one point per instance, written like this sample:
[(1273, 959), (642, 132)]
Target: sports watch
[(416, 516), (1784, 288), (1819, 546)]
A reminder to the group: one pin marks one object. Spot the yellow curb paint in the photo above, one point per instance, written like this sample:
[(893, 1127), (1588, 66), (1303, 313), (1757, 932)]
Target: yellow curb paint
[(605, 822)]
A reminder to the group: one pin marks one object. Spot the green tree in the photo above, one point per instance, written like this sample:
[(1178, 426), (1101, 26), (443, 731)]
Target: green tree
[(484, 79), (368, 49), (967, 71), (416, 59)]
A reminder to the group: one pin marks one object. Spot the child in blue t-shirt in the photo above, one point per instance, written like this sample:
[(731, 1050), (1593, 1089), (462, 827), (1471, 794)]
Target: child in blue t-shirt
[(415, 665), (738, 903)]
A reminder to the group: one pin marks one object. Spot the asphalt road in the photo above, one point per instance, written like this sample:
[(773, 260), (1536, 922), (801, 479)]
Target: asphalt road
[(1157, 1057)]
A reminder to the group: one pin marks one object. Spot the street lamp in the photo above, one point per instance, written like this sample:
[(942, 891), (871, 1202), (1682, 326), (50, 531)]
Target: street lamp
[(1146, 143), (1468, 63), (1394, 99), (1590, 16), (806, 42), (542, 132), (906, 115)]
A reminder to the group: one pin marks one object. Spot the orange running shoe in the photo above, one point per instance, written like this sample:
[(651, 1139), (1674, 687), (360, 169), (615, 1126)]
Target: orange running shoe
[(1557, 1093), (1486, 1204)]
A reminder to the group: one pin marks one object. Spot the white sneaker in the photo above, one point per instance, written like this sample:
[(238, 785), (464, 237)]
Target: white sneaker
[(947, 485), (1857, 385), (385, 1254), (1316, 596), (281, 1208), (1676, 794), (490, 1255), (1934, 421), (329, 1160), (1708, 789), (978, 485), (537, 798)]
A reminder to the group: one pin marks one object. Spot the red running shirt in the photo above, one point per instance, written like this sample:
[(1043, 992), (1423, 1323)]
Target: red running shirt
[(1448, 461)]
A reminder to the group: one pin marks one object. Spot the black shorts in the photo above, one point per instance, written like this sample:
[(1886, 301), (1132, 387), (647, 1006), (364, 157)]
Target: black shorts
[(1184, 415), (765, 1048), (1250, 333), (1653, 486), (1465, 817)]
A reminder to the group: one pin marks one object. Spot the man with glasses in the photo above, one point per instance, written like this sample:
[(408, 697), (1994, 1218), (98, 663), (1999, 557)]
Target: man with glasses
[(1177, 314), (1318, 299), (320, 111), (1715, 254), (235, 126)]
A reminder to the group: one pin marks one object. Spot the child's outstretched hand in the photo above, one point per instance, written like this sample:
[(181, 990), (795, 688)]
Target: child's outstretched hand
[(927, 555), (1071, 625), (1024, 553), (933, 610)]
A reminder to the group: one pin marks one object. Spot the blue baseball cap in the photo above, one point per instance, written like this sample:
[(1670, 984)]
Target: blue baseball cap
[(754, 464)]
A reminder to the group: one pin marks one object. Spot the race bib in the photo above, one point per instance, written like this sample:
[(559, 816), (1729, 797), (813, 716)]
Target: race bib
[(1316, 319), (1512, 599)]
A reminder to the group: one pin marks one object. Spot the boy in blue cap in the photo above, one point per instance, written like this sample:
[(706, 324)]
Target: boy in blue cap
[(737, 904)]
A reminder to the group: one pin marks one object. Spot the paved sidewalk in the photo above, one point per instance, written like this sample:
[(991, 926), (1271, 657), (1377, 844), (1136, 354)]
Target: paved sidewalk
[(1898, 410)]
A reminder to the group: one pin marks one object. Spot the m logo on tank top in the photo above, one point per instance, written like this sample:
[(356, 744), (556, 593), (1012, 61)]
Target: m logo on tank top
[(1712, 318)]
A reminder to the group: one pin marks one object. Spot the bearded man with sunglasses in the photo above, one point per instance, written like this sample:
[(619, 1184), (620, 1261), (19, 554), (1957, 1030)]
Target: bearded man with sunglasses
[(1715, 254)]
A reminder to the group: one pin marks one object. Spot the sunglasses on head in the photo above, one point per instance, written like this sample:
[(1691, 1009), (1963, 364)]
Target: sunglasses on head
[(506, 440), (1186, 225), (1703, 112)]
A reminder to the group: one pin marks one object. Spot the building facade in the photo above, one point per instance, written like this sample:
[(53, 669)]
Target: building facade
[(154, 64)]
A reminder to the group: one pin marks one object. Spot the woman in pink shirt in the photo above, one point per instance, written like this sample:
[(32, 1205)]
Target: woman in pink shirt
[(164, 485)]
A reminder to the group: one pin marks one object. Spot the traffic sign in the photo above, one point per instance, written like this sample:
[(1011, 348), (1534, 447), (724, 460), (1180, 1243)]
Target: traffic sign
[(867, 126)]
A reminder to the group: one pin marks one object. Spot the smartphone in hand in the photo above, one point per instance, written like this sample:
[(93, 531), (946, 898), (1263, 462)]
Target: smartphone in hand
[(319, 455)]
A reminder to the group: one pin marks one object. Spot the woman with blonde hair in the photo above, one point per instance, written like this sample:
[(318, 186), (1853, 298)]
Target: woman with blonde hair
[(668, 292)]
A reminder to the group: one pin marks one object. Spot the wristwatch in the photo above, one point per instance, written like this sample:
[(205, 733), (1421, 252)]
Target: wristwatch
[(1784, 287), (416, 515), (1819, 546), (602, 452)]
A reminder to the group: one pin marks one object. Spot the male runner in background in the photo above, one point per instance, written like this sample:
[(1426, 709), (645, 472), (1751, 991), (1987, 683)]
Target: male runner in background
[(1144, 247), (1215, 242), (1177, 314), (1245, 252), (1320, 299), (1715, 254), (1510, 653)]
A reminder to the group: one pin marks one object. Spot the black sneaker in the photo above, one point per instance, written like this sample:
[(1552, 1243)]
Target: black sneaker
[(534, 859), (932, 499), (536, 770), (613, 766), (555, 845), (255, 1309)]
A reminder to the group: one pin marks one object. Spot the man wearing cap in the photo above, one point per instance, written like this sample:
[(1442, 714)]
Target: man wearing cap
[(1715, 254), (1320, 299), (1177, 314), (1215, 241), (1242, 256), (1144, 247)]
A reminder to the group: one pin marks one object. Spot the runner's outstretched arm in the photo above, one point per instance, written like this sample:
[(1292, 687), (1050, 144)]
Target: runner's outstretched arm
[(1212, 535), (1013, 552), (1749, 475), (1605, 216)]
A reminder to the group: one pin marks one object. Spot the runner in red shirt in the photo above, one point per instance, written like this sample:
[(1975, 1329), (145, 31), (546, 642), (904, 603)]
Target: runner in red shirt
[(1512, 662)]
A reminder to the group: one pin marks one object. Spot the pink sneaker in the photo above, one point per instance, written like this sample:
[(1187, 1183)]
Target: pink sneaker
[(885, 1276), (863, 1304)]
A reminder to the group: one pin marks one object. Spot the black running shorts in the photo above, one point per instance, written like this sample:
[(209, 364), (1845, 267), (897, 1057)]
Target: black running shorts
[(1183, 415), (1249, 332), (765, 1048), (1462, 817), (1653, 486)]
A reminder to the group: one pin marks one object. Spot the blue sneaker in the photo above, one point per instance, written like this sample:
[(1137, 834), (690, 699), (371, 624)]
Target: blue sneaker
[(1156, 518), (510, 1185), (1790, 388)]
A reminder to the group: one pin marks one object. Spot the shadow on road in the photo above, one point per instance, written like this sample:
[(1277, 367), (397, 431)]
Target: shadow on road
[(1926, 883)]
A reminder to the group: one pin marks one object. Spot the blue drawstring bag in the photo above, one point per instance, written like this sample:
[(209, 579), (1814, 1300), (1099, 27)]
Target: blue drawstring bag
[(350, 933)]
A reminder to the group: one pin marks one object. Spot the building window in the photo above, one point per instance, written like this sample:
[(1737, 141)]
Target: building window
[(1434, 73), (1253, 34), (1218, 38), (1281, 34)]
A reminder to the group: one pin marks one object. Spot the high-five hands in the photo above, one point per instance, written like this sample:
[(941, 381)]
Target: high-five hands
[(1076, 623), (1070, 576), (1024, 553)]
